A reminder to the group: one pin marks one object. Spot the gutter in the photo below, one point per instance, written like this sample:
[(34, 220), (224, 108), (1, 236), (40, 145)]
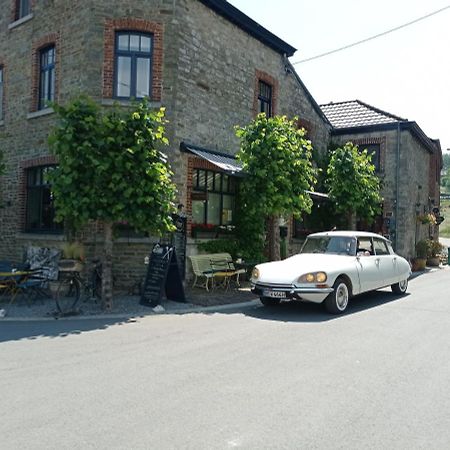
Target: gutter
[(397, 184)]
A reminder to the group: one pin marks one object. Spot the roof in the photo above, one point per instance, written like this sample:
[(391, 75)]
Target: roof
[(347, 233), (228, 163), (234, 15), (356, 113)]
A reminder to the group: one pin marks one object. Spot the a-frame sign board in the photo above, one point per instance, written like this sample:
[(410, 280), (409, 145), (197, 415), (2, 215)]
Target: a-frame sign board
[(163, 276)]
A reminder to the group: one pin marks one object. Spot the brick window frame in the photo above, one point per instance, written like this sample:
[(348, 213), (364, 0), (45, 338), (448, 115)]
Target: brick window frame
[(48, 160), (156, 29), (381, 141), (271, 81), (3, 93), (45, 41)]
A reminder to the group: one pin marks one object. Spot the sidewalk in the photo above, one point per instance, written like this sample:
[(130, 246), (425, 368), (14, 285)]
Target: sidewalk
[(125, 305)]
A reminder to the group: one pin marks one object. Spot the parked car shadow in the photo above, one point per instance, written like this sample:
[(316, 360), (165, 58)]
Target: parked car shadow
[(310, 312), (18, 330)]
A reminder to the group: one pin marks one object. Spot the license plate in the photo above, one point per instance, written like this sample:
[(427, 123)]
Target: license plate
[(274, 294)]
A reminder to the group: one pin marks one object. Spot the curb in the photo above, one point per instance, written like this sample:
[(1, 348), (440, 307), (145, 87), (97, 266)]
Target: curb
[(128, 317)]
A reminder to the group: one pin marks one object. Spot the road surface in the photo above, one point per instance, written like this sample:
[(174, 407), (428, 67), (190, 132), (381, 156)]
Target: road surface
[(286, 378)]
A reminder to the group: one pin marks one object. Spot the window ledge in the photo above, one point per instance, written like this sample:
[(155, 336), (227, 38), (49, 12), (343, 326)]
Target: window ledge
[(40, 237), (20, 21), (40, 113), (142, 240), (128, 103)]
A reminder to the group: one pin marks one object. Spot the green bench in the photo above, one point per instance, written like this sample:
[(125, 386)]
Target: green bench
[(212, 267)]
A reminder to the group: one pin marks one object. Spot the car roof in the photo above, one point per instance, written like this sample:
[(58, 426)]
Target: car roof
[(349, 233)]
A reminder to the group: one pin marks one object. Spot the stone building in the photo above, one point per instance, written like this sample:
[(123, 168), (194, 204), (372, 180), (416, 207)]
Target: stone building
[(406, 160), (210, 65)]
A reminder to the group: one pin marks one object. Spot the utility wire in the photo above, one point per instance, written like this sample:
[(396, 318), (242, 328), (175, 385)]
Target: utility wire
[(345, 47)]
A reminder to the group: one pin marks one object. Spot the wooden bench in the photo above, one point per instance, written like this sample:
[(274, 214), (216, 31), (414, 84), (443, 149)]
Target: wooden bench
[(212, 267)]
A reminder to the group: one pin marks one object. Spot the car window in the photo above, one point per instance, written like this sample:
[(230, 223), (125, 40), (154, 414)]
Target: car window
[(340, 245), (364, 246), (380, 247)]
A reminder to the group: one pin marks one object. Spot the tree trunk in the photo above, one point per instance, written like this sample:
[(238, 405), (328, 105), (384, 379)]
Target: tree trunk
[(107, 267), (351, 220), (274, 238)]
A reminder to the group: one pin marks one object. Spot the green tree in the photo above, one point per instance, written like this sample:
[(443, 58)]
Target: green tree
[(110, 170), (277, 160), (352, 183)]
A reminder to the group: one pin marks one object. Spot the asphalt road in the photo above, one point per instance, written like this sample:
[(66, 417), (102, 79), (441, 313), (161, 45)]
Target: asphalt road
[(286, 378)]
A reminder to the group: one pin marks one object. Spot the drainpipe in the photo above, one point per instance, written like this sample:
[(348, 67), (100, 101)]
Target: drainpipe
[(397, 185)]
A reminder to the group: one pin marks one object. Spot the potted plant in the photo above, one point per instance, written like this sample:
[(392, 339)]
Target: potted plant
[(419, 262), (427, 219), (73, 257), (434, 250)]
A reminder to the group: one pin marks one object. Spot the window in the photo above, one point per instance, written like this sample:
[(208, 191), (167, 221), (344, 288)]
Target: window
[(1, 93), (40, 211), (374, 150), (213, 198), (265, 98), (22, 8), (133, 69), (380, 247), (46, 76)]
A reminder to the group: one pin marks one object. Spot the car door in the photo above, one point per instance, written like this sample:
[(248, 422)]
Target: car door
[(366, 263), (385, 263)]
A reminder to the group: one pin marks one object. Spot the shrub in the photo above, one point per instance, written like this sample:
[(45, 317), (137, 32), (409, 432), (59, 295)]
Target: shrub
[(434, 248), (422, 249), (221, 246)]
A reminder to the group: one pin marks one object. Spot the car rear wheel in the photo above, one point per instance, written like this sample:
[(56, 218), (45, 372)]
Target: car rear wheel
[(400, 287), (267, 301), (337, 301)]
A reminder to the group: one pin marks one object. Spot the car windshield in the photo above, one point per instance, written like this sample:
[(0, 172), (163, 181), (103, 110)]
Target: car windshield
[(338, 245)]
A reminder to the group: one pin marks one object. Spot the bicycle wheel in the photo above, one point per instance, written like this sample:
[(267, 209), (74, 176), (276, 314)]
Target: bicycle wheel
[(68, 294)]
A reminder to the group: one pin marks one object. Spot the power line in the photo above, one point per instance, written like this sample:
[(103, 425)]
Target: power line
[(345, 47)]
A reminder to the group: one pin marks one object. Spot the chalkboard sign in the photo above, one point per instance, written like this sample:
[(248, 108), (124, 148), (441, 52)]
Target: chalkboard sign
[(179, 242), (163, 275)]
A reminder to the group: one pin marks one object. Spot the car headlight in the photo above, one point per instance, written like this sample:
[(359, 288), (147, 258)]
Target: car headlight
[(255, 273), (313, 277)]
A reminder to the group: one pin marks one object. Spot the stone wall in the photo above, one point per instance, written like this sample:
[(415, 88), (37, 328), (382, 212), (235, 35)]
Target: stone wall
[(209, 68), (413, 183)]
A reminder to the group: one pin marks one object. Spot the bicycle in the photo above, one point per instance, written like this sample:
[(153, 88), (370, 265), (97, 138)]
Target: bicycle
[(72, 285)]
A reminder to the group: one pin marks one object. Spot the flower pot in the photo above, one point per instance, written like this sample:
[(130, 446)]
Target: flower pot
[(418, 264), (433, 262)]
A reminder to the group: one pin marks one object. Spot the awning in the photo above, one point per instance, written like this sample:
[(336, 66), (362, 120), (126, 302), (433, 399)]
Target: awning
[(227, 163)]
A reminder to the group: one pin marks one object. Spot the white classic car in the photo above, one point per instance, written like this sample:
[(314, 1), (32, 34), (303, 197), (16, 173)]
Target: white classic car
[(331, 268)]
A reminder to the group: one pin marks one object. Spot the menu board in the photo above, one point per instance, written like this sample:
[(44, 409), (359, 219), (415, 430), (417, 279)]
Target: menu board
[(163, 276)]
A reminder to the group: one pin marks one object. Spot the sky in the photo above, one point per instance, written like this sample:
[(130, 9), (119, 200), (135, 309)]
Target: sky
[(406, 73)]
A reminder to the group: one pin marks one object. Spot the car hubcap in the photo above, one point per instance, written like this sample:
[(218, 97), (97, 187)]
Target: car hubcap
[(341, 297), (403, 285)]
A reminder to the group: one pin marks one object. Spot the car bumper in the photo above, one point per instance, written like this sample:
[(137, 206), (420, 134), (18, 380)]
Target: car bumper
[(290, 292)]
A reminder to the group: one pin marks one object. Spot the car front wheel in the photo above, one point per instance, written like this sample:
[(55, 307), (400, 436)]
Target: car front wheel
[(337, 301), (400, 287), (267, 301)]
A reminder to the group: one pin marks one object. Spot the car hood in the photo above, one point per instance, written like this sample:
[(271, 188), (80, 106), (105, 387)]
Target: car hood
[(288, 270)]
